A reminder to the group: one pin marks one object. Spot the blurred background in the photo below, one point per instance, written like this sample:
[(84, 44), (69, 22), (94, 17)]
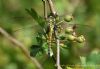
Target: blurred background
[(17, 22)]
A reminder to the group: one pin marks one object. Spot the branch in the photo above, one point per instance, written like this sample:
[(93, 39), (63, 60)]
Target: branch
[(45, 9), (58, 54), (21, 46), (51, 6)]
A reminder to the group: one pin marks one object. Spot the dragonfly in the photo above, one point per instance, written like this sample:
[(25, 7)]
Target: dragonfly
[(78, 28), (51, 26), (61, 25)]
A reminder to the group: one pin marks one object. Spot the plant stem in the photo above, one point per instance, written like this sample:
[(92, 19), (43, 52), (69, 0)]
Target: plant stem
[(52, 9), (21, 46), (45, 9), (58, 50), (58, 54), (51, 6)]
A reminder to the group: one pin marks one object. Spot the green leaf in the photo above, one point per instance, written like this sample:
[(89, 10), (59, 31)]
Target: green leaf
[(35, 49), (39, 39), (64, 53), (83, 60), (36, 17), (49, 63), (94, 57), (68, 67)]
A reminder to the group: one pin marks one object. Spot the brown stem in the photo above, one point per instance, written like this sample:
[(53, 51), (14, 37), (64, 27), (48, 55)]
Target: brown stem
[(51, 6), (21, 46), (45, 9), (58, 54), (58, 50)]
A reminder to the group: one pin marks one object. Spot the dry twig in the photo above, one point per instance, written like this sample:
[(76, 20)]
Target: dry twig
[(51, 6), (21, 46)]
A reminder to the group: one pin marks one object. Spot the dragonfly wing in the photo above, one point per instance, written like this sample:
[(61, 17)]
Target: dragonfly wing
[(36, 17), (31, 27)]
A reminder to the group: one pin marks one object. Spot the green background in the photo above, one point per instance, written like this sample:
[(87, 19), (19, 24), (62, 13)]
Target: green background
[(17, 22)]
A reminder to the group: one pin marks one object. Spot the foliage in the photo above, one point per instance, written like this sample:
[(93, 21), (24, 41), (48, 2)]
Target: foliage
[(87, 12), (49, 36)]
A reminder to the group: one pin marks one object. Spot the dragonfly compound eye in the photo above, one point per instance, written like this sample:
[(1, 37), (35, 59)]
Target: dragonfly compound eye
[(68, 18)]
